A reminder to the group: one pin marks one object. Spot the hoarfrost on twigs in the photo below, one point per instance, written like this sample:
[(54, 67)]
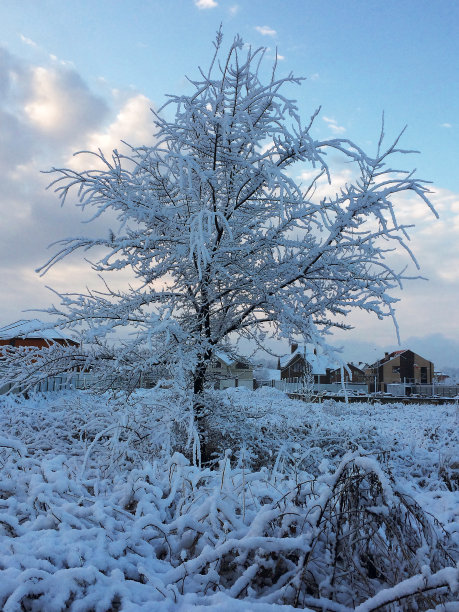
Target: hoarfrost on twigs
[(220, 238)]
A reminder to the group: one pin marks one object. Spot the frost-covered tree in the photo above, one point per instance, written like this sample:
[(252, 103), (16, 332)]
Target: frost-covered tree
[(222, 239)]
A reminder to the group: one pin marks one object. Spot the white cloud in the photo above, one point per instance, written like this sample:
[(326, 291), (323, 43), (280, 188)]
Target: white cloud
[(446, 125), (265, 30), (132, 124), (315, 76), (48, 112), (275, 55), (333, 125), (323, 189), (424, 307), (205, 4), (28, 41), (234, 10), (60, 105)]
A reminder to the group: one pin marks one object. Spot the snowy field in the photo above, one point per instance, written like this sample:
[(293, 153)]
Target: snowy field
[(321, 507)]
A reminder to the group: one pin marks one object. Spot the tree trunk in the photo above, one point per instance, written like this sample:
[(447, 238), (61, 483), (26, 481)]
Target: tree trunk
[(204, 359), (199, 409)]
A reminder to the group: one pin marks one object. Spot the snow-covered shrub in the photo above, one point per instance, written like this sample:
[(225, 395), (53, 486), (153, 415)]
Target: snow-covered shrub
[(169, 534), (99, 512)]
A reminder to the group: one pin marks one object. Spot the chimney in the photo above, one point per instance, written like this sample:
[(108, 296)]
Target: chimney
[(293, 346), (386, 355)]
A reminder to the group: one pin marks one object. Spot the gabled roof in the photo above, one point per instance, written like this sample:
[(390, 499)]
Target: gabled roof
[(31, 328), (358, 366), (318, 363), (361, 365), (388, 358), (230, 360), (224, 358), (286, 359)]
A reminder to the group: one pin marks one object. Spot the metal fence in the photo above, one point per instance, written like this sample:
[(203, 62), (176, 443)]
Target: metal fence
[(77, 380), (82, 380), (296, 385), (410, 389)]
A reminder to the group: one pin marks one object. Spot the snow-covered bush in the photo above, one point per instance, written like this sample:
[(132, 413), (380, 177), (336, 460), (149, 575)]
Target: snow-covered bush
[(99, 512)]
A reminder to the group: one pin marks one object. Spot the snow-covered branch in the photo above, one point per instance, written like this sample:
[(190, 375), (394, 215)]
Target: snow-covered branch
[(220, 236)]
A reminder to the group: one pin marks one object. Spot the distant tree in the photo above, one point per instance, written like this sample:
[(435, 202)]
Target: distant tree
[(222, 238)]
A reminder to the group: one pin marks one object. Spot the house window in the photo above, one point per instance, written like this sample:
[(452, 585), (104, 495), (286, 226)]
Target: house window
[(218, 365), (395, 369)]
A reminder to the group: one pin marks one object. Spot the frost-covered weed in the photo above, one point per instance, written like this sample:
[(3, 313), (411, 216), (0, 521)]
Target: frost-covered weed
[(418, 442), (98, 512)]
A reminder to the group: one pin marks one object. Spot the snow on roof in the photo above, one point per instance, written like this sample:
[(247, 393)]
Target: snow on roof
[(229, 360), (360, 365), (31, 328), (319, 363), (224, 357)]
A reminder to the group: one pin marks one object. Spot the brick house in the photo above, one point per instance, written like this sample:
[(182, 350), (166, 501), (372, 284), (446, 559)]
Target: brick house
[(402, 366), (357, 371), (300, 359)]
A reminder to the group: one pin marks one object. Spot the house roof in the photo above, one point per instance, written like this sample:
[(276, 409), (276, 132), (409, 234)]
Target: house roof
[(358, 366), (229, 360), (393, 355), (32, 328), (225, 358), (362, 365), (388, 358), (319, 363)]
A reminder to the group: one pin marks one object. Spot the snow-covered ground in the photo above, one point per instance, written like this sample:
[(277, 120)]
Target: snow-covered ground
[(320, 506)]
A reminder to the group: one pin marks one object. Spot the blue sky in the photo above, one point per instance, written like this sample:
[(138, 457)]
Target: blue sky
[(81, 74)]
